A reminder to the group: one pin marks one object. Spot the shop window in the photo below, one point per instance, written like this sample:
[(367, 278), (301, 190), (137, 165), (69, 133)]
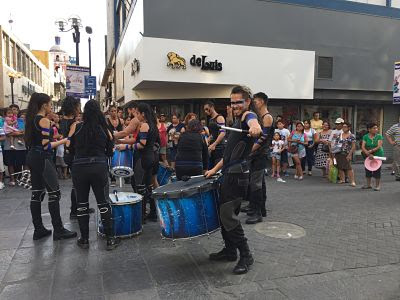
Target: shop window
[(6, 47), (290, 113), (366, 115), (330, 113)]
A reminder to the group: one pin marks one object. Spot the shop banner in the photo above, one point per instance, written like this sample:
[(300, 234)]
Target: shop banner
[(396, 82), (75, 79)]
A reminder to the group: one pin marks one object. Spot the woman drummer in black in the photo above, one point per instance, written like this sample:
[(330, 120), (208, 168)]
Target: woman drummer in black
[(93, 144), (145, 145), (38, 137)]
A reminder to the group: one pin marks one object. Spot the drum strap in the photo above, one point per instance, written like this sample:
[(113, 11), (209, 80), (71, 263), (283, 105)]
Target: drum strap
[(89, 160), (189, 163)]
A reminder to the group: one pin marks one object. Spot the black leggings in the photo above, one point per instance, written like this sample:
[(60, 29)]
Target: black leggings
[(95, 176), (44, 178)]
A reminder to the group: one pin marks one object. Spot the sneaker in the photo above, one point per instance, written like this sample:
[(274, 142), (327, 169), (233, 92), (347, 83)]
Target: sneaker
[(12, 147), (296, 177), (281, 180), (11, 183), (20, 142), (301, 178), (309, 173), (393, 173), (1, 185), (113, 184)]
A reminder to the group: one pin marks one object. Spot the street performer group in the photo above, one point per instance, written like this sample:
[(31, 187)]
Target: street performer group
[(234, 154)]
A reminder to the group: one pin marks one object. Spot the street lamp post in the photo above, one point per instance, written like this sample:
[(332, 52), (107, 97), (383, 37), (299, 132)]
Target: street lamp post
[(12, 76), (89, 31), (75, 23)]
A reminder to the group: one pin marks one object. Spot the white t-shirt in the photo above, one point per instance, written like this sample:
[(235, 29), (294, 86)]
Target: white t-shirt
[(277, 145), (284, 135), (310, 134)]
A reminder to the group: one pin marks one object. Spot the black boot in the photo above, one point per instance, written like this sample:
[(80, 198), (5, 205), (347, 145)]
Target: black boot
[(245, 261), (41, 233), (63, 234), (247, 208), (256, 218), (263, 211), (224, 255), (83, 243), (152, 216), (36, 212), (112, 243)]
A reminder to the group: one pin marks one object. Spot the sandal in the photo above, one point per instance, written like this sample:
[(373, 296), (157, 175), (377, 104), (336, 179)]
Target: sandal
[(353, 184), (377, 189), (341, 182)]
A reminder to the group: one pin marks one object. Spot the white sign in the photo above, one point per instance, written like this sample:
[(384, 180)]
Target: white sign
[(75, 81), (396, 84), (167, 70)]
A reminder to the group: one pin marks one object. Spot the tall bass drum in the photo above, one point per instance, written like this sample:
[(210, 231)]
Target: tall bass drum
[(188, 209)]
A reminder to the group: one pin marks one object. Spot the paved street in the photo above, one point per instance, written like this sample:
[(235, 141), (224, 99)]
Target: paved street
[(351, 250)]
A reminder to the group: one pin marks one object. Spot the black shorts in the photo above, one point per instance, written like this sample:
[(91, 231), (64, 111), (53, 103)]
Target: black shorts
[(14, 158), (284, 157), (375, 174)]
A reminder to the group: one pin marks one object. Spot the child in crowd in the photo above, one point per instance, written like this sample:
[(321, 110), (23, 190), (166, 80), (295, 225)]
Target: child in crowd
[(277, 148), (284, 134), (11, 126)]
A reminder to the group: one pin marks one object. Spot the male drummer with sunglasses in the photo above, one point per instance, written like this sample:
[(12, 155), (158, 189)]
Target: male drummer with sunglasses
[(235, 180)]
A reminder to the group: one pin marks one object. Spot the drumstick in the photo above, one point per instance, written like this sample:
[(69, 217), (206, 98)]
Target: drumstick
[(237, 130), (116, 195)]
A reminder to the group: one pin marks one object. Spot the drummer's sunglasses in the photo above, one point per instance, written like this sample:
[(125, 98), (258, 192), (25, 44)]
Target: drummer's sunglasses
[(237, 102)]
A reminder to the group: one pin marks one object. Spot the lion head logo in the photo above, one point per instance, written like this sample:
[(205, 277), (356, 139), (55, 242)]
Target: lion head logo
[(175, 61)]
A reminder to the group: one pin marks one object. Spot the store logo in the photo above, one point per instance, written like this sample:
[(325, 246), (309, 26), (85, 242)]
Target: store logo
[(175, 61), (205, 65), (135, 67)]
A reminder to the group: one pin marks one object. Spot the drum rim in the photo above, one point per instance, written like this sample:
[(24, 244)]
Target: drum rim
[(121, 236), (191, 237), (125, 203), (178, 194)]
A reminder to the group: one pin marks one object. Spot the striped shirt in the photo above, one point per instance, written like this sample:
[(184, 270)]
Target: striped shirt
[(394, 133)]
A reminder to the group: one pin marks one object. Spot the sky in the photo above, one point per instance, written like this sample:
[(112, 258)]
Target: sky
[(34, 24)]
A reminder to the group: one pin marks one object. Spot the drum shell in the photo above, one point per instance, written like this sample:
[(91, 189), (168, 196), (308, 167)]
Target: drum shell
[(163, 175), (126, 218), (189, 216), (122, 163)]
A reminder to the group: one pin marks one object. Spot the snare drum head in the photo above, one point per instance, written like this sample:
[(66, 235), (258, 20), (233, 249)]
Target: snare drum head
[(125, 198), (122, 171), (181, 189)]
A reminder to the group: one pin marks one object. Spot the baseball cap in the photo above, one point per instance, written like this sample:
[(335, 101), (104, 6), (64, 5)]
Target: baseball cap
[(339, 121)]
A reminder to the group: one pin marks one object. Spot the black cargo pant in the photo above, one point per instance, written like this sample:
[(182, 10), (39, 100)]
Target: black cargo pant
[(92, 173), (44, 178), (257, 192), (233, 191)]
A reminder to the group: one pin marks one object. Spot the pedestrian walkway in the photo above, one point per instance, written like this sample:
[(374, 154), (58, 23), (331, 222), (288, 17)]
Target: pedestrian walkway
[(351, 250)]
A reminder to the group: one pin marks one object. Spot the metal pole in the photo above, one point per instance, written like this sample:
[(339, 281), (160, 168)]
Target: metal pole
[(12, 89), (77, 39), (90, 56)]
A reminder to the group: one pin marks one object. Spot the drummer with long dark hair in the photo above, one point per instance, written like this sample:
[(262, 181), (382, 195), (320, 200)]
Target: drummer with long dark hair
[(38, 137), (93, 144), (71, 108), (145, 145), (235, 180)]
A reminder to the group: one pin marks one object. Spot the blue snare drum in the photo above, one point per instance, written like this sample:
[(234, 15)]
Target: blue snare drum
[(126, 214), (122, 163), (163, 175), (188, 209)]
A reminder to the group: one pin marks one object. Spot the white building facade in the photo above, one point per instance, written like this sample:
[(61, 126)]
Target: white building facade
[(18, 59)]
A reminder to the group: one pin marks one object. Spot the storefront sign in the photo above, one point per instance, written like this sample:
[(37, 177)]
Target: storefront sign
[(175, 61), (396, 83), (29, 89), (204, 64)]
